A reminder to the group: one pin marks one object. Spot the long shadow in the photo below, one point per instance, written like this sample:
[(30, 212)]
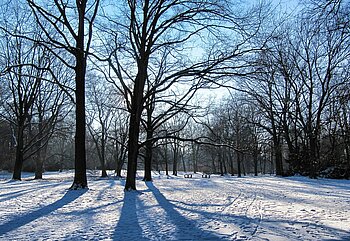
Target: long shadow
[(21, 220), (275, 226), (16, 194), (186, 229), (128, 227)]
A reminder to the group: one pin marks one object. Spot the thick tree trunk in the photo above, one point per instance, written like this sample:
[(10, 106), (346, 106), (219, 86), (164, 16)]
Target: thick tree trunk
[(278, 161), (103, 168), (133, 150), (278, 157), (313, 156), (80, 179), (134, 126)]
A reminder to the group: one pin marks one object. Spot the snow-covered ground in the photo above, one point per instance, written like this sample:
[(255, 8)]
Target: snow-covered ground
[(175, 208)]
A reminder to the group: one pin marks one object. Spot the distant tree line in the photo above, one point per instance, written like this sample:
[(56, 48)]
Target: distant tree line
[(124, 86)]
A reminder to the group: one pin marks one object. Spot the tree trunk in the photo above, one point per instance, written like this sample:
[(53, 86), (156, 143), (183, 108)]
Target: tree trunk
[(175, 164), (39, 162), (243, 164), (175, 156), (133, 150), (119, 159), (148, 157), (104, 171), (255, 163), (103, 153), (231, 163), (17, 172), (183, 163), (213, 166), (80, 179), (313, 156), (221, 168), (224, 163), (221, 164), (134, 126), (39, 158), (194, 158), (118, 172), (166, 167), (239, 171), (278, 156)]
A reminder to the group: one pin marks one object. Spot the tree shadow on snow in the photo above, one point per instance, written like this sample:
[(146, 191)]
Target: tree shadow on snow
[(23, 191), (253, 226), (23, 219), (185, 229), (128, 227)]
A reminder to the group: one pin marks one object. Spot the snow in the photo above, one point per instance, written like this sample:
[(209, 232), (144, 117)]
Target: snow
[(174, 208)]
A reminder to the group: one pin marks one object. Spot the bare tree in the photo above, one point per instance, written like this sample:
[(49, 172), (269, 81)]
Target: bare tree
[(100, 112), (299, 75), (167, 32), (34, 103), (68, 27), (119, 136)]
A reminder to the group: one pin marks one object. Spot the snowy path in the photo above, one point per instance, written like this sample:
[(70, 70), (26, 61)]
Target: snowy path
[(219, 208)]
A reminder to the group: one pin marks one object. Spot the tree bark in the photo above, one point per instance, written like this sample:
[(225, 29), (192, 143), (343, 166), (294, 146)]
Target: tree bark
[(134, 126), (80, 179)]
